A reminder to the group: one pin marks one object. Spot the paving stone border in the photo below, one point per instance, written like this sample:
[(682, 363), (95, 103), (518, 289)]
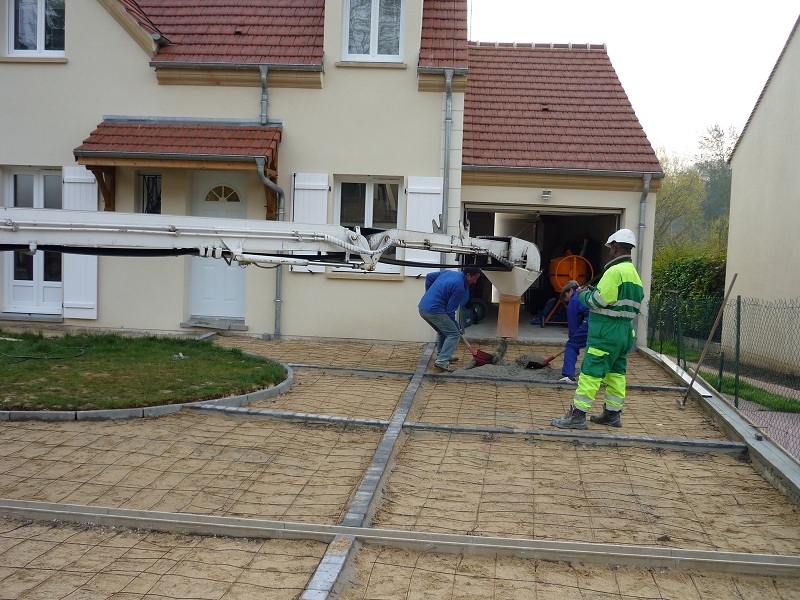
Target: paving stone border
[(150, 411)]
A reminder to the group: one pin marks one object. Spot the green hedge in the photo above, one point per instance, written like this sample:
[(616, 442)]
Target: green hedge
[(686, 288), (690, 275)]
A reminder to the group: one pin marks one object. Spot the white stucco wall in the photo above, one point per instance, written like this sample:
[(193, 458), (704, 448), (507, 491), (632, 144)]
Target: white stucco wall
[(764, 221), (365, 121), (765, 190)]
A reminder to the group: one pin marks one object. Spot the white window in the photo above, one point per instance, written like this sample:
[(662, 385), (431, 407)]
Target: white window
[(39, 190), (372, 203), (33, 281), (373, 30), (36, 27)]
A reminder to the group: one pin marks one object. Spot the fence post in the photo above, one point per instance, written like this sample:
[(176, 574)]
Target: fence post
[(719, 374), (679, 331), (738, 341)]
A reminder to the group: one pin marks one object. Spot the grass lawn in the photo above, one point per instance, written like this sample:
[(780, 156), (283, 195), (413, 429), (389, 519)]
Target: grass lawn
[(100, 371), (747, 391)]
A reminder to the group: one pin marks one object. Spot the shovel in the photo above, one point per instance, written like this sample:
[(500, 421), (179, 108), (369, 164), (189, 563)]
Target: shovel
[(481, 358), (535, 364)]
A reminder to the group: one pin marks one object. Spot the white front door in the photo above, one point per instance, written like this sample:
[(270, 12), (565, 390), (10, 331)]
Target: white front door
[(33, 281), (216, 288)]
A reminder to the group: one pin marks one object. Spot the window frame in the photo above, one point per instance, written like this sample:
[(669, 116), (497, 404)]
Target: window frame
[(39, 190), (40, 50), (371, 181), (373, 55), (143, 200)]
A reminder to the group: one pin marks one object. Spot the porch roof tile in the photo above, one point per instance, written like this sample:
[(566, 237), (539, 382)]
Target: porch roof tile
[(184, 140)]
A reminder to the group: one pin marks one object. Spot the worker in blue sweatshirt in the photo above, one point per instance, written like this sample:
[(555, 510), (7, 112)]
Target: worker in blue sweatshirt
[(444, 292), (577, 328)]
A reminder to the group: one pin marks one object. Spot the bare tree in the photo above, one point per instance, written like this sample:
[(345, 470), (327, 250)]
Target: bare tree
[(678, 208), (716, 146)]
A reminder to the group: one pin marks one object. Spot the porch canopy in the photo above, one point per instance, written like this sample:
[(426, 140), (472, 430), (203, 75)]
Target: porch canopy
[(176, 144)]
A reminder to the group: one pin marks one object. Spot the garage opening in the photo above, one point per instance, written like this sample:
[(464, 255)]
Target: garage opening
[(569, 240)]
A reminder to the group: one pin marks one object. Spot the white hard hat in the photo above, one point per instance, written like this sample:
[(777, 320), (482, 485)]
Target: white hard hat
[(623, 236)]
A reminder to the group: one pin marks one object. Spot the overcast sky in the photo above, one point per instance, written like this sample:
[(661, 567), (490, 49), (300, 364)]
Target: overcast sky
[(685, 64)]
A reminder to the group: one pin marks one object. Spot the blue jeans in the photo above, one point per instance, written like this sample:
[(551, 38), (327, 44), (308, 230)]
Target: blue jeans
[(447, 334)]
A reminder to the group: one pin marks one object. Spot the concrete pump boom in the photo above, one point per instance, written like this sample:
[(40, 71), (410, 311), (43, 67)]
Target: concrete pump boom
[(240, 240), (511, 264)]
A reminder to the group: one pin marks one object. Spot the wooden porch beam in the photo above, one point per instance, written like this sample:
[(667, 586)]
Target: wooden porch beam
[(106, 181)]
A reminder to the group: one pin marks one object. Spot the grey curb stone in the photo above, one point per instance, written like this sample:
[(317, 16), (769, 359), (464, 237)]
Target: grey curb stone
[(150, 411), (160, 411), (42, 415), (115, 413)]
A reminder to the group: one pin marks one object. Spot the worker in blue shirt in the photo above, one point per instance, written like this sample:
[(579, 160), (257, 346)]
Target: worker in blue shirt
[(577, 328), (444, 292)]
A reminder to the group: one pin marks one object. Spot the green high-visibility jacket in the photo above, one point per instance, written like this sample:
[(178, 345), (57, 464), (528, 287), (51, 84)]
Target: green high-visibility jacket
[(619, 293)]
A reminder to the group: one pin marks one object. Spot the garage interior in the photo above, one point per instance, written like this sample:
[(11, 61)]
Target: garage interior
[(559, 234)]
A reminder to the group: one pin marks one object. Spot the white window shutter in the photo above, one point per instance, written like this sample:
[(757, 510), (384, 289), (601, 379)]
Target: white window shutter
[(80, 271), (424, 205), (310, 205)]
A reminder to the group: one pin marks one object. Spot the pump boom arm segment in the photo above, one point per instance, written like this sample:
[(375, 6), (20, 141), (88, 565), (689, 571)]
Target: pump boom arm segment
[(245, 241)]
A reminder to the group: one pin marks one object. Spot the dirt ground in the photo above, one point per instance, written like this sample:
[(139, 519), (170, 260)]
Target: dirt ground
[(516, 485), (397, 574)]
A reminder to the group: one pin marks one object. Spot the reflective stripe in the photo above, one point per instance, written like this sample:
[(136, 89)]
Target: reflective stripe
[(597, 300), (615, 389), (596, 352), (615, 313), (632, 303)]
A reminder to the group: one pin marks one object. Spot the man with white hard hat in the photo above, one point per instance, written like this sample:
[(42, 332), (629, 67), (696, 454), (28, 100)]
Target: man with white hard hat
[(613, 305)]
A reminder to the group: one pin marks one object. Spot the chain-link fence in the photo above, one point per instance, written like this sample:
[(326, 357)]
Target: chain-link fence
[(752, 357)]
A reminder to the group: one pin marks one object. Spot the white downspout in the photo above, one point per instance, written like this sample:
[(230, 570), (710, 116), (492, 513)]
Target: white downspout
[(642, 210), (642, 206), (448, 128), (264, 100), (261, 162)]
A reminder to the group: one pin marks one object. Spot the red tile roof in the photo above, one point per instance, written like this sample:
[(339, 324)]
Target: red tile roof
[(171, 140), (444, 35), (137, 13), (540, 107), (270, 32)]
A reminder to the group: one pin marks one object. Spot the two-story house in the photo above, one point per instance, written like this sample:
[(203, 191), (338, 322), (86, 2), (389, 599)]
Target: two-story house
[(352, 112)]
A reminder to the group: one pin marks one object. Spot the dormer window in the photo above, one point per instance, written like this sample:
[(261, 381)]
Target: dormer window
[(36, 27), (373, 30)]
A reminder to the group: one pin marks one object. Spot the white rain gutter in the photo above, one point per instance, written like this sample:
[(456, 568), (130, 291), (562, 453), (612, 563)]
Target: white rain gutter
[(261, 162)]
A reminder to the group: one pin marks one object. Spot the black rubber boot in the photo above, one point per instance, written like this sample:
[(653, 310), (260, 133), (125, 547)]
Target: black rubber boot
[(574, 419), (612, 418)]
